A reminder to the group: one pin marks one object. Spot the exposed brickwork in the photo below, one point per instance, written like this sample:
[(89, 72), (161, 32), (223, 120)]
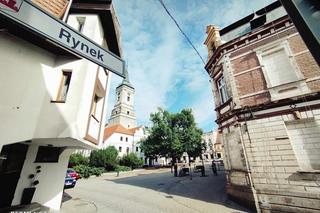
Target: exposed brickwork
[(246, 62), (314, 85), (268, 40), (296, 44), (282, 153), (250, 82), (307, 65), (256, 99)]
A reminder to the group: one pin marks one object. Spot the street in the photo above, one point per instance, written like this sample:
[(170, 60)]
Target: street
[(150, 191)]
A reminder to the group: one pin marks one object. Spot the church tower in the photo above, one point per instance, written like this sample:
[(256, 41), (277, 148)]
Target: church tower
[(123, 111)]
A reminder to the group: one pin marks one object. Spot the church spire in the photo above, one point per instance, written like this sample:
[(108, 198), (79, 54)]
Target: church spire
[(126, 80)]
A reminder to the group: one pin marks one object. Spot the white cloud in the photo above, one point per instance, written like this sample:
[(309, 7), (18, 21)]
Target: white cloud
[(163, 68)]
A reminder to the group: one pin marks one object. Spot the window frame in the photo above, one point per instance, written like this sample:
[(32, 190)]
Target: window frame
[(66, 75), (222, 87), (285, 90), (81, 21)]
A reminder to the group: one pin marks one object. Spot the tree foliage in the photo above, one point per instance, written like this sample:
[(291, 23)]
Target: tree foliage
[(78, 159), (107, 158), (172, 134), (131, 160)]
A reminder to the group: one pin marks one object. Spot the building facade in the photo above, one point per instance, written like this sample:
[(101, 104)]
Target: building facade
[(208, 139), (266, 87), (52, 100)]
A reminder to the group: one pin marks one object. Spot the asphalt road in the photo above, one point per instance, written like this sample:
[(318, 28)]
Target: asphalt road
[(150, 192)]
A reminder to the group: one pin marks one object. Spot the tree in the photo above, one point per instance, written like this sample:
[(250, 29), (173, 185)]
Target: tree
[(131, 160), (172, 134), (189, 133), (78, 159), (107, 158)]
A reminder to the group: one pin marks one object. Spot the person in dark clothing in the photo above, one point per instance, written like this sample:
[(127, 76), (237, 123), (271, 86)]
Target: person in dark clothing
[(214, 168)]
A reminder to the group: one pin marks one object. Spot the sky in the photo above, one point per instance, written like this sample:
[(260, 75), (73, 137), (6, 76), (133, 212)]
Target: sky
[(164, 69)]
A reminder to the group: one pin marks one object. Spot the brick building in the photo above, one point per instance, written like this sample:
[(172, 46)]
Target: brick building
[(266, 86)]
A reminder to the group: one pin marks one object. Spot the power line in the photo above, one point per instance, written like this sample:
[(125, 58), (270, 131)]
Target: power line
[(183, 33)]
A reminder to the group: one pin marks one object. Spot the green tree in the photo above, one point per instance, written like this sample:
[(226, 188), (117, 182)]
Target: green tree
[(107, 158), (78, 159), (172, 134), (188, 132), (131, 160)]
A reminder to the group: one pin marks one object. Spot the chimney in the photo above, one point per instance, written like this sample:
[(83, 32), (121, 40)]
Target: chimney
[(213, 40)]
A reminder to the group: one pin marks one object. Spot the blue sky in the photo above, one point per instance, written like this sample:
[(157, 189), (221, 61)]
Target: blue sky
[(164, 69)]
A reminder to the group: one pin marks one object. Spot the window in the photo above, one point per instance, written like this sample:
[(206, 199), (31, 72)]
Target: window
[(127, 150), (137, 149), (81, 21), (47, 154), (94, 105), (282, 75), (278, 68), (64, 86), (126, 139), (128, 98), (304, 137), (128, 112), (118, 96), (120, 149), (222, 89), (121, 138)]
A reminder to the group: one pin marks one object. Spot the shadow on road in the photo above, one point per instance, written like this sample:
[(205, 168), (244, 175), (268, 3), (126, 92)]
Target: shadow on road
[(208, 189), (65, 197)]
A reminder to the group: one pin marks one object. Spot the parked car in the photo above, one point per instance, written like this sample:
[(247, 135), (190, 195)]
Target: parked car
[(73, 174), (69, 182)]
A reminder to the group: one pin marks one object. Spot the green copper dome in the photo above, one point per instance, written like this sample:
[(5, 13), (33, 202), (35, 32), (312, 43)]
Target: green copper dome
[(126, 81)]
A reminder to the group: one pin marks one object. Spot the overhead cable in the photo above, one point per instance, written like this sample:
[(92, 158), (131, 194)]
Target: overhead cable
[(183, 33)]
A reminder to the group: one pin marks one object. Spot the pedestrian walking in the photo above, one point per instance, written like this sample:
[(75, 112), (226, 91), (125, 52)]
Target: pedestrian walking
[(214, 168)]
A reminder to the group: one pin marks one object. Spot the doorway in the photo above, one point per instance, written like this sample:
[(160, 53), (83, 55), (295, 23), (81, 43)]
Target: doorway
[(11, 162)]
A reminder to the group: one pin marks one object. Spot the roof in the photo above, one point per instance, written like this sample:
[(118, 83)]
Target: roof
[(118, 128), (133, 130), (245, 25), (108, 17)]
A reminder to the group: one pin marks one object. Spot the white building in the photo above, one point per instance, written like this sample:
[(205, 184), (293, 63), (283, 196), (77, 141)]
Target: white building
[(208, 139), (52, 100)]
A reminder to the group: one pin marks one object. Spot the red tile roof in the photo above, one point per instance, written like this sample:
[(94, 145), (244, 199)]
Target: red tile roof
[(118, 128)]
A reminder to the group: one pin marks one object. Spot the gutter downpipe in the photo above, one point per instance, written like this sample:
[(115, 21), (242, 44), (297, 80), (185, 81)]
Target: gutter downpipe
[(248, 168)]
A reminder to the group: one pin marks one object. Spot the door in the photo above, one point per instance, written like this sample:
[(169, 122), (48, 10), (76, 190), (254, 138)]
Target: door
[(11, 162)]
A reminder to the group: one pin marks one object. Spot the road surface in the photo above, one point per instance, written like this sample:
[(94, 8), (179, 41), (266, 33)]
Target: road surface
[(151, 191)]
